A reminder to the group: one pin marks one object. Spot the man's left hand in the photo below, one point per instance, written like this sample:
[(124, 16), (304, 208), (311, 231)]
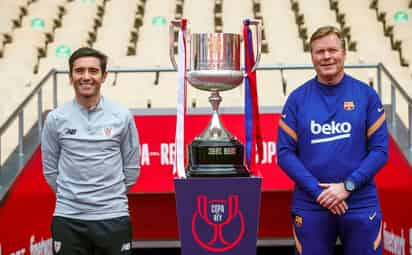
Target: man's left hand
[(332, 195)]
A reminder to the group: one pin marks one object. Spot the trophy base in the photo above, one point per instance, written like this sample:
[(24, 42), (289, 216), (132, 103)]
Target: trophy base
[(217, 171), (216, 159)]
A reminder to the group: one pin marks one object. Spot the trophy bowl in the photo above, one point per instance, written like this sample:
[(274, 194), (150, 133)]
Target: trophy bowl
[(212, 80), (214, 66), (215, 61)]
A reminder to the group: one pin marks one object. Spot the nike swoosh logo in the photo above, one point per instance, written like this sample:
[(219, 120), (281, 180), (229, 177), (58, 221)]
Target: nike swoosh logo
[(380, 109), (371, 217), (284, 116)]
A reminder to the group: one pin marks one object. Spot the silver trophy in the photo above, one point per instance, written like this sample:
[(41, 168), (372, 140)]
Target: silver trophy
[(214, 65)]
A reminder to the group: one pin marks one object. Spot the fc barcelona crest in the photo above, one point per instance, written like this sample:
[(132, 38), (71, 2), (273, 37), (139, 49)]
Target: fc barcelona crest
[(298, 221), (349, 105)]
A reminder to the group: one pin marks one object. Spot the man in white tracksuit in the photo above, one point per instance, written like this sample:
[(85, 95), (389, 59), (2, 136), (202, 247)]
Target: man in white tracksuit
[(90, 160)]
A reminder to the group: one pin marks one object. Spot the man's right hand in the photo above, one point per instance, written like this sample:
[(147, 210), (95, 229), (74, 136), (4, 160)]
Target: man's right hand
[(340, 209), (333, 197)]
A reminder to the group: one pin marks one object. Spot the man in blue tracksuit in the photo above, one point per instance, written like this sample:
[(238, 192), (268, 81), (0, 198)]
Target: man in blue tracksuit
[(332, 141)]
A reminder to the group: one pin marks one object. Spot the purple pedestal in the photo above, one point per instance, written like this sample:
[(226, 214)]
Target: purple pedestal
[(218, 215)]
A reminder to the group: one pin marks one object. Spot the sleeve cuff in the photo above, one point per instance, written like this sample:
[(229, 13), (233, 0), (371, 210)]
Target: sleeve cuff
[(356, 178)]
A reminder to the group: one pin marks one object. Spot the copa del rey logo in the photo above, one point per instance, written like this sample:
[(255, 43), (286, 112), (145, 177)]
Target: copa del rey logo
[(218, 225)]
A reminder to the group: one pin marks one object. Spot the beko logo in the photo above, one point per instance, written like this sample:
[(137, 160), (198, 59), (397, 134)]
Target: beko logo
[(337, 130)]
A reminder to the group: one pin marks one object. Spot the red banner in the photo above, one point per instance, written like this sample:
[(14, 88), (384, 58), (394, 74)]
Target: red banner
[(25, 214), (158, 149)]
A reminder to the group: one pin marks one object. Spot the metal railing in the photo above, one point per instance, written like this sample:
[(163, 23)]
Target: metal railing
[(19, 113), (52, 74)]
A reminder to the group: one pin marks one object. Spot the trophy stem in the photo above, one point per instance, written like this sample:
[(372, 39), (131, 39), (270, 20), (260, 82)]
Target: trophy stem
[(215, 130), (215, 152), (215, 99)]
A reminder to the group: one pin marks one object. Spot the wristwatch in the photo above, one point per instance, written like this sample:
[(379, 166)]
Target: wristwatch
[(349, 185)]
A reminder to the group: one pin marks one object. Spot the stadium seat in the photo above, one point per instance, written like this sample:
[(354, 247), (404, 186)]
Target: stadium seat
[(142, 91), (11, 13), (154, 34), (56, 61), (199, 23), (15, 87), (81, 16), (317, 13), (114, 35), (233, 14), (389, 9), (139, 86), (270, 89), (65, 37), (6, 27), (295, 78), (395, 17), (2, 43), (43, 15), (282, 33), (368, 44), (23, 52)]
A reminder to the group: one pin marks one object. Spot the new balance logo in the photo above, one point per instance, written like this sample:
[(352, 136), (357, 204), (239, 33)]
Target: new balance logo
[(70, 131), (57, 245), (126, 247), (337, 130)]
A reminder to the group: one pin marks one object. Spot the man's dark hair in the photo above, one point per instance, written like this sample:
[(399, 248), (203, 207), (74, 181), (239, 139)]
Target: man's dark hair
[(88, 52)]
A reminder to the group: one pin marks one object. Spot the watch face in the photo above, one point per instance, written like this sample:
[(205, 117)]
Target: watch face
[(349, 186)]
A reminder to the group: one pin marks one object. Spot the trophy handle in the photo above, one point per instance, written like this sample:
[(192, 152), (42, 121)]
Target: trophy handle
[(258, 25), (173, 23)]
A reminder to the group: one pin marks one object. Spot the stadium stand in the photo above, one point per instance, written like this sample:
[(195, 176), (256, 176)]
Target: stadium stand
[(36, 36), (39, 35)]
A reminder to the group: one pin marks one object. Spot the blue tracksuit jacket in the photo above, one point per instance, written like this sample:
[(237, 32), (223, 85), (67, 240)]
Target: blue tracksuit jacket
[(330, 133)]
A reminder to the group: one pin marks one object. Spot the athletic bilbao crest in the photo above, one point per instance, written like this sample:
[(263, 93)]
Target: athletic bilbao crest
[(218, 225), (107, 131)]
